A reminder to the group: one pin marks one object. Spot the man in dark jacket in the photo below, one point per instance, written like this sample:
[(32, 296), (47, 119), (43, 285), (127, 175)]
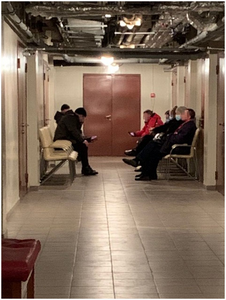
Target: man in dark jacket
[(59, 114), (149, 157), (69, 128)]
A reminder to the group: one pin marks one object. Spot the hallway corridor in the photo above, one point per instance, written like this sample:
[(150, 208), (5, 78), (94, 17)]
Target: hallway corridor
[(108, 236)]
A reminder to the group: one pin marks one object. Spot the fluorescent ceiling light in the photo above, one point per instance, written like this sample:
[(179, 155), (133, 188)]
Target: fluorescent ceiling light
[(130, 26), (122, 23), (107, 60)]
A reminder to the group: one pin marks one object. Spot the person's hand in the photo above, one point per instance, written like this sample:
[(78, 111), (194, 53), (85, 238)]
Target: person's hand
[(86, 143)]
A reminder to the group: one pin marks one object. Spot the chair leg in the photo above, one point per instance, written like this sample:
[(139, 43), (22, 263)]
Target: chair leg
[(196, 166), (168, 168), (72, 170)]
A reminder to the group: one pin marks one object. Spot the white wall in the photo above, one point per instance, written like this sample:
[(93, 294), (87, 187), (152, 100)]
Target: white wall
[(69, 86), (10, 128)]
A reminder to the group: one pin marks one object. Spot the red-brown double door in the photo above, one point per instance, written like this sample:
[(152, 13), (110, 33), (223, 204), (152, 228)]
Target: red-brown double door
[(113, 107)]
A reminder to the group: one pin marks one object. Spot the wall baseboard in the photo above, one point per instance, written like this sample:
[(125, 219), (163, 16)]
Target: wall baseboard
[(210, 187), (12, 209), (34, 188)]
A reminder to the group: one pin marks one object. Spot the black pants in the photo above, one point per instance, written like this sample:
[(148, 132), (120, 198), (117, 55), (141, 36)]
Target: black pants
[(141, 144), (149, 158), (82, 150)]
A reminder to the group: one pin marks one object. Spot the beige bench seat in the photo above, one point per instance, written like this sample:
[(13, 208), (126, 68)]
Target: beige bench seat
[(60, 150)]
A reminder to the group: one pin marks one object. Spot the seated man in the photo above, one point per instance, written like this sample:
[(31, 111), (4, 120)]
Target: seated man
[(151, 121), (59, 114), (162, 130), (69, 128), (153, 152)]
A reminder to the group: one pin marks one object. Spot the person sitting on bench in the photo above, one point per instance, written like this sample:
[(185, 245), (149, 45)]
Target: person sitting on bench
[(59, 114), (153, 152), (69, 128), (151, 120)]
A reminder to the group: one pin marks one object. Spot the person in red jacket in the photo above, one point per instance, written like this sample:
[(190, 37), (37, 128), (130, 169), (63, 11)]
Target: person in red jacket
[(151, 120)]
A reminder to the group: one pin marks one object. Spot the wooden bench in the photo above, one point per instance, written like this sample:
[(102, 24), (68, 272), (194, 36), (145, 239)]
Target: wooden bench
[(60, 150)]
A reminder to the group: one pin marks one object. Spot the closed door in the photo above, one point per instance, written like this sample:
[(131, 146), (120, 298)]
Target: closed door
[(220, 127), (22, 121), (113, 106)]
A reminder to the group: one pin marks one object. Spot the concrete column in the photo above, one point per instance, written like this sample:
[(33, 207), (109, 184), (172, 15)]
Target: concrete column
[(210, 122), (180, 86), (191, 82), (52, 110), (32, 120), (198, 104)]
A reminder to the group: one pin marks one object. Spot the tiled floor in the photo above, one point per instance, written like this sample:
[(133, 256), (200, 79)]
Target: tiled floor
[(108, 236)]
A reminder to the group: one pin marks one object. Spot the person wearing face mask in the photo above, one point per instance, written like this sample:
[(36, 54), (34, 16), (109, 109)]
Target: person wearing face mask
[(167, 116), (69, 128), (153, 152), (162, 131)]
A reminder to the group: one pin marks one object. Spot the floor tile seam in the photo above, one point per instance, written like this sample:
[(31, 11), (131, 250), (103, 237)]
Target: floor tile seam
[(156, 287), (109, 241), (186, 227), (173, 244), (75, 254)]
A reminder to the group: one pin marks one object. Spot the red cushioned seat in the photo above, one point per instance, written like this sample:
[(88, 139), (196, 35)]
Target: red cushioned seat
[(18, 258)]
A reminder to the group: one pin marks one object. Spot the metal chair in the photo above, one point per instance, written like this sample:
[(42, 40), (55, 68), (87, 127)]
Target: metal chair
[(191, 156)]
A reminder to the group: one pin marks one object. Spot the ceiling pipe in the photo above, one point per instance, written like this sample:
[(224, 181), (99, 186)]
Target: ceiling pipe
[(95, 60), (70, 11), (199, 23), (161, 38), (12, 15), (204, 34)]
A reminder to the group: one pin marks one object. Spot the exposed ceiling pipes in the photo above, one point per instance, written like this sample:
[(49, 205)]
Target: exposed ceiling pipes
[(206, 31), (150, 30), (70, 10), (12, 15), (83, 59)]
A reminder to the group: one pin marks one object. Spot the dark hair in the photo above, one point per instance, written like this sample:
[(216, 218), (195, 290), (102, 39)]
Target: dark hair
[(191, 113), (64, 106), (81, 111), (167, 112), (148, 111)]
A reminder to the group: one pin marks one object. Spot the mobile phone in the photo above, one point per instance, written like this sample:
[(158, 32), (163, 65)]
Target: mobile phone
[(93, 137), (132, 133)]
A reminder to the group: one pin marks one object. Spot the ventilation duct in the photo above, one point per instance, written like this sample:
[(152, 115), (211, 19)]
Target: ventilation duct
[(205, 33), (12, 15)]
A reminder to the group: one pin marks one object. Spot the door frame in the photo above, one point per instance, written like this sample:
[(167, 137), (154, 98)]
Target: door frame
[(22, 126), (220, 157)]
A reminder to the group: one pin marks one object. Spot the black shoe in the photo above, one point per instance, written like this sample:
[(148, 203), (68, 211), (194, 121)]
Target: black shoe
[(131, 152), (131, 162), (145, 177), (142, 177), (88, 171), (137, 176)]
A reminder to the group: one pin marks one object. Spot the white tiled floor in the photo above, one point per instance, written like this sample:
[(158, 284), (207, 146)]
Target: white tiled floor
[(108, 236)]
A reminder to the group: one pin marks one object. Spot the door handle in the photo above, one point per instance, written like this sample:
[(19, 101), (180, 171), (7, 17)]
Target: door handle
[(108, 117)]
